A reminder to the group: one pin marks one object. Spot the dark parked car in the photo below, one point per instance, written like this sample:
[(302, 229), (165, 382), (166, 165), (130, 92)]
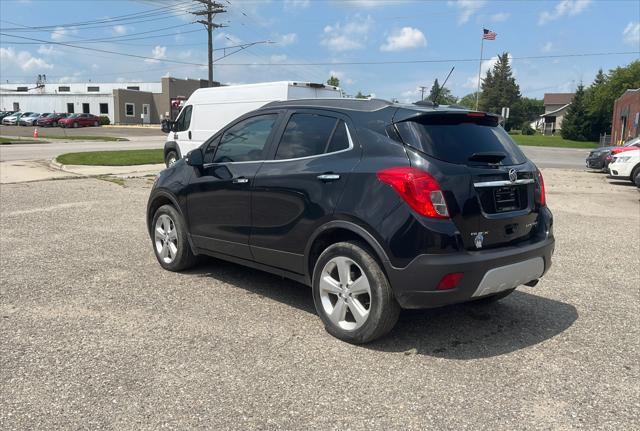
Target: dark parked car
[(51, 120), (377, 206), (79, 120), (6, 114), (600, 158)]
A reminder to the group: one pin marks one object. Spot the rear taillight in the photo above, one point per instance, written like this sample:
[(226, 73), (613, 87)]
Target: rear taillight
[(418, 189), (541, 197)]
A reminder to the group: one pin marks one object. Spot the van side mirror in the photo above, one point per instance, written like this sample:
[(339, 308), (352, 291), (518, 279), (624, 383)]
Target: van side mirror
[(167, 126), (195, 158)]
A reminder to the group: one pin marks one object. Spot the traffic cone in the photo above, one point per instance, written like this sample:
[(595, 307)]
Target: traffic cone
[(35, 133)]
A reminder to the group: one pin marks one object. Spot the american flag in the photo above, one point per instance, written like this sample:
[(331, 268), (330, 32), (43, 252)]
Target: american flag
[(488, 34)]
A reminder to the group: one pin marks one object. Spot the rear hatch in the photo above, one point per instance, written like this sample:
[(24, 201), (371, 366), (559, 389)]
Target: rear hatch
[(491, 189)]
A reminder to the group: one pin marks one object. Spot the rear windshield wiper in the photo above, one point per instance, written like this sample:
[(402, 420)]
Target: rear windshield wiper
[(493, 157)]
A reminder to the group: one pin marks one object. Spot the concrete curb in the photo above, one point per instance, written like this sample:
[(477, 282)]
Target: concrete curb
[(18, 142), (54, 164)]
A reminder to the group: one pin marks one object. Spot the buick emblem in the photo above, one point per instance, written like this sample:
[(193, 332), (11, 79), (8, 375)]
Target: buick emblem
[(513, 175)]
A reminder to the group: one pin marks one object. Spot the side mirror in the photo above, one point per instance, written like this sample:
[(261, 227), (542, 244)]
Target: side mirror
[(195, 158), (166, 126)]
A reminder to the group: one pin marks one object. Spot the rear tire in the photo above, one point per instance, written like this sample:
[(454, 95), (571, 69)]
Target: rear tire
[(96, 124), (494, 298), (169, 240), (352, 294)]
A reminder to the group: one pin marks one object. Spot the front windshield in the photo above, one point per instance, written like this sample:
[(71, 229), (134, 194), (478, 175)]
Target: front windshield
[(74, 115)]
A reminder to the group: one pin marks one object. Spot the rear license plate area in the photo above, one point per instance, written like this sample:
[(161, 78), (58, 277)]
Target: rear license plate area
[(506, 199)]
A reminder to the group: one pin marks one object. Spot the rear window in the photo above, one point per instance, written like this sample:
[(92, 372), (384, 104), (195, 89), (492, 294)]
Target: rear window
[(460, 138)]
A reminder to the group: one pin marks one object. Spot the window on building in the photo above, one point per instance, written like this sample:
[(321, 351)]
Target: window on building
[(85, 108), (64, 88), (129, 109), (23, 88), (93, 89), (16, 106), (70, 109), (104, 108), (134, 87)]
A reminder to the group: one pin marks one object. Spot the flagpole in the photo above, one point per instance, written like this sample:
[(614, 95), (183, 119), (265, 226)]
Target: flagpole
[(479, 70)]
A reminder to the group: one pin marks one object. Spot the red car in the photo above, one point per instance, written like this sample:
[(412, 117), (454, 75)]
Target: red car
[(51, 120), (79, 120), (633, 144)]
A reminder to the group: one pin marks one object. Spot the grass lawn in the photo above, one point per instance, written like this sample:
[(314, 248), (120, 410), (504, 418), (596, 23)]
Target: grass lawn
[(551, 141), (4, 140), (113, 158)]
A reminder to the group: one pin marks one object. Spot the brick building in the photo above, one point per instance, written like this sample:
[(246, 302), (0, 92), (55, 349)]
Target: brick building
[(626, 115)]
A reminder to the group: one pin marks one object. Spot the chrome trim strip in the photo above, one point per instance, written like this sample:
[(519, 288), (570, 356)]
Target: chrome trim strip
[(504, 183)]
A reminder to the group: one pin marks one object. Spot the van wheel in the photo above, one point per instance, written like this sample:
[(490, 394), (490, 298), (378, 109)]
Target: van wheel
[(170, 158), (352, 294), (170, 242)]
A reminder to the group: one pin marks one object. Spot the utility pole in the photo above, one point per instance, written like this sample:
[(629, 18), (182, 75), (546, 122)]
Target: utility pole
[(211, 9), (422, 88)]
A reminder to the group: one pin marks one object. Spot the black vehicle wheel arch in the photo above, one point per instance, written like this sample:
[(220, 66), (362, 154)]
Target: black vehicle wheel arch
[(340, 231), (160, 198)]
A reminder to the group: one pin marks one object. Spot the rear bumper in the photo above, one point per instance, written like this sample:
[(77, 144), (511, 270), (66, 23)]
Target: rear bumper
[(485, 272)]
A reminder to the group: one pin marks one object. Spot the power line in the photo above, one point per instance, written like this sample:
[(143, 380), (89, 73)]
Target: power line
[(448, 60)]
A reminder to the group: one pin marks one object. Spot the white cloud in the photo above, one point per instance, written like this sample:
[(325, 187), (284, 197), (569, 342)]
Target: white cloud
[(287, 39), (61, 33), (547, 47), (467, 8), (349, 36), (120, 29), (278, 58), (46, 49), (499, 17), (405, 38), (24, 60), (631, 34), (292, 4), (563, 8), (158, 53), (472, 81)]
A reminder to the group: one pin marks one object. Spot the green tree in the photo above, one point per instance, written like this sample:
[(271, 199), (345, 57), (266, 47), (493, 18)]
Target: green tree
[(361, 96), (468, 101), (442, 94), (499, 88), (334, 81), (524, 110), (575, 124)]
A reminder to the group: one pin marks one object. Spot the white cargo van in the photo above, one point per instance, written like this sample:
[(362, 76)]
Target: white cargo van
[(210, 109)]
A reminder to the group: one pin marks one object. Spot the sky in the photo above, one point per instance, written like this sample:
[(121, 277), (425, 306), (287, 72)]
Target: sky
[(404, 44)]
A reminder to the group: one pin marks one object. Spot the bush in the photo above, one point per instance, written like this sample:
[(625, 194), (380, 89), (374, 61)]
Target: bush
[(527, 129), (104, 120)]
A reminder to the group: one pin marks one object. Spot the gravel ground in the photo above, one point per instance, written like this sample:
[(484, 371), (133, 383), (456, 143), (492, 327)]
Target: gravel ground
[(94, 335)]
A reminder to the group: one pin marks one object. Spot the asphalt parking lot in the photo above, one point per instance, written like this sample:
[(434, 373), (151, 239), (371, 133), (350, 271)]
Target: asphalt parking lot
[(27, 131), (94, 335)]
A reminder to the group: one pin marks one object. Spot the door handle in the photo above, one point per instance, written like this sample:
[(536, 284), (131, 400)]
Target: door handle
[(329, 177), (189, 134), (241, 180)]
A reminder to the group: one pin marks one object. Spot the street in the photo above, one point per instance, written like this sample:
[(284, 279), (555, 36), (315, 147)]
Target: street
[(96, 335), (27, 131)]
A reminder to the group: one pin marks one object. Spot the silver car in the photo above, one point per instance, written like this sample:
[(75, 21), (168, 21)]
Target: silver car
[(29, 120)]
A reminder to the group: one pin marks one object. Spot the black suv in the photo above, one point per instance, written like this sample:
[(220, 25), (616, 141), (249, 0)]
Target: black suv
[(377, 206)]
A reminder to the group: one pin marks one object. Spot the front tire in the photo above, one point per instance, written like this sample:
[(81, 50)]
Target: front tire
[(170, 243), (75, 125), (352, 294), (171, 158), (635, 176)]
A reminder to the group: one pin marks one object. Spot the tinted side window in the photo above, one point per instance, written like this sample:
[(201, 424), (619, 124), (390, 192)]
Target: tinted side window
[(184, 120), (340, 139), (305, 135), (210, 149), (245, 142)]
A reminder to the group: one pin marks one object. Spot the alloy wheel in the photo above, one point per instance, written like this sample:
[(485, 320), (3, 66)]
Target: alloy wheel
[(166, 238), (345, 293)]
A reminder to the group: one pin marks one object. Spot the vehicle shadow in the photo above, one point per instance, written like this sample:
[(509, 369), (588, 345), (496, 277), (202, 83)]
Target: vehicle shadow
[(462, 331), (621, 183)]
